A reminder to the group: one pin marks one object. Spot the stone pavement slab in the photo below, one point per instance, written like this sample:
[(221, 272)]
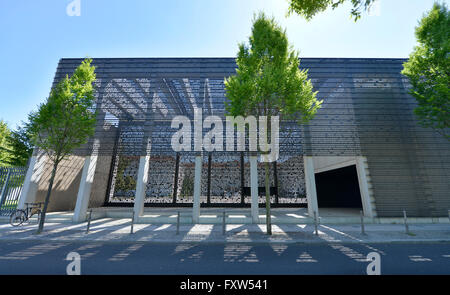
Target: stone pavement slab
[(118, 230)]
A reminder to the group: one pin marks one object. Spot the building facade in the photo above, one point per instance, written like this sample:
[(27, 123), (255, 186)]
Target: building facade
[(364, 149)]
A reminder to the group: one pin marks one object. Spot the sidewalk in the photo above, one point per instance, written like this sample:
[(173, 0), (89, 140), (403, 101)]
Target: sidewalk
[(118, 230)]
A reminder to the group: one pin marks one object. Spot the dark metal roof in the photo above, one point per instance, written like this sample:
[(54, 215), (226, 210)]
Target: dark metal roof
[(134, 90), (365, 100)]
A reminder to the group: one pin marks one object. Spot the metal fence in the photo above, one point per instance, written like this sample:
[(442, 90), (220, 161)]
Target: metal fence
[(11, 182)]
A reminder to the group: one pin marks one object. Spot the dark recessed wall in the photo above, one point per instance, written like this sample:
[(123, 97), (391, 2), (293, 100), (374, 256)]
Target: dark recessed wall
[(338, 188)]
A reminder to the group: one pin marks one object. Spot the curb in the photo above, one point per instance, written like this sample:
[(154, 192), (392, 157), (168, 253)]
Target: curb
[(216, 242), (227, 239)]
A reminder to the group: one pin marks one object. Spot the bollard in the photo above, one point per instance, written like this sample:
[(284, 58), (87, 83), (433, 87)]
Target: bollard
[(363, 232), (224, 229), (132, 223), (178, 222), (406, 222), (89, 221), (316, 232)]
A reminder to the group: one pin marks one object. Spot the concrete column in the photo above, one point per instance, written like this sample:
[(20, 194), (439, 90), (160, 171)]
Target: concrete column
[(32, 178), (84, 191), (144, 164), (90, 165), (363, 187), (254, 188), (141, 185), (197, 189), (310, 182)]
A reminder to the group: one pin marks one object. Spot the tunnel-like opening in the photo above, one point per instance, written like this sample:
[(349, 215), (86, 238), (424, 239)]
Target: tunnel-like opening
[(338, 188)]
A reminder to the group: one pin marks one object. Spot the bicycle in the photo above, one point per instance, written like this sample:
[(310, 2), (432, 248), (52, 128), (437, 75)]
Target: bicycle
[(19, 216)]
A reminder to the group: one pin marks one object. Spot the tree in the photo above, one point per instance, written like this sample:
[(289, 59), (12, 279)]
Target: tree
[(428, 70), (15, 145), (21, 145), (309, 8), (268, 82), (65, 121), (5, 147)]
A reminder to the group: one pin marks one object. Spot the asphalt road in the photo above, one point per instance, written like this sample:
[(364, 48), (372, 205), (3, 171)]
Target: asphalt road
[(32, 257)]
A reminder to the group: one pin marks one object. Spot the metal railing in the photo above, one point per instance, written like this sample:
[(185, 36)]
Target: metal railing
[(11, 182)]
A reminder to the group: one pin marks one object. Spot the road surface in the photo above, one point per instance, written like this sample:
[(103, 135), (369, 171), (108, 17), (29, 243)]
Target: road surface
[(37, 257)]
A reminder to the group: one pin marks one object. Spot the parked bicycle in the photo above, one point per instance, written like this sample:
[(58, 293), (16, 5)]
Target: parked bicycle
[(19, 216)]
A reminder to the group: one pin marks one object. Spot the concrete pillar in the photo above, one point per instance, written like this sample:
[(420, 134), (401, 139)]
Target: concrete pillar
[(32, 178), (84, 191), (363, 187), (144, 164), (197, 189), (90, 164), (254, 188), (310, 182), (141, 185)]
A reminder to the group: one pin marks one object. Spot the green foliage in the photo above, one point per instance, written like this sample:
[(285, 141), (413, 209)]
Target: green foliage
[(5, 147), (428, 70), (309, 8), (20, 142), (66, 120), (187, 186), (125, 182), (268, 80), (15, 145)]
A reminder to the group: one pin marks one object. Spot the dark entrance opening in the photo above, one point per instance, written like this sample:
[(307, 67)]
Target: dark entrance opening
[(338, 188)]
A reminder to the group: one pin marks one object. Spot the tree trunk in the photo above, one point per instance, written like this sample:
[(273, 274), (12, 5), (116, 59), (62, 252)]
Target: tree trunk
[(47, 199), (268, 221)]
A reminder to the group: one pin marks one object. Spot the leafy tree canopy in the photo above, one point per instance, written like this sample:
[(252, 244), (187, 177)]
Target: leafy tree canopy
[(428, 70), (66, 120), (20, 142), (309, 8), (5, 148), (268, 80), (15, 145)]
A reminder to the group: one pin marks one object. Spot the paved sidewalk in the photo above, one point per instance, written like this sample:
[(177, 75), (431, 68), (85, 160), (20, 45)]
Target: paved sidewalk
[(118, 230)]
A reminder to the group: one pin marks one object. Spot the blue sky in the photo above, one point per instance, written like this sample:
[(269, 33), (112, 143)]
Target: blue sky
[(34, 35)]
